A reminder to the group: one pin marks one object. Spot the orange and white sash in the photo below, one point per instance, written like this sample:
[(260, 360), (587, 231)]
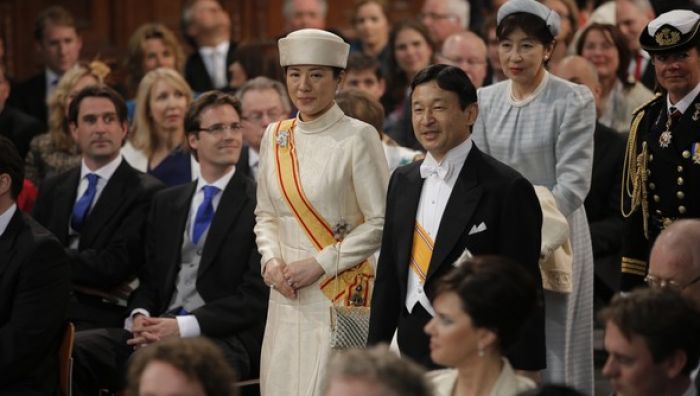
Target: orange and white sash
[(350, 287), (421, 252)]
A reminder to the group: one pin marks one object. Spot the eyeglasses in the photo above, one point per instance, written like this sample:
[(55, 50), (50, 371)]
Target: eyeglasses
[(219, 129), (660, 283), (258, 116), (458, 61), (434, 16)]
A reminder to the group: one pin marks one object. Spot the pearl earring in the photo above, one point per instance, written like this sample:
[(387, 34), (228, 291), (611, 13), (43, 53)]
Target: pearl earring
[(481, 351)]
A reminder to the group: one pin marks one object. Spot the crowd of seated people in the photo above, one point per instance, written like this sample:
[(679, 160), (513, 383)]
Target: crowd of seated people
[(199, 221)]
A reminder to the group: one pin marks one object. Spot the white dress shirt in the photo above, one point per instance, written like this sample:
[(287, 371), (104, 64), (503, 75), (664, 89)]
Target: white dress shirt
[(104, 173), (433, 200), (188, 324), (683, 104), (51, 83), (215, 62), (253, 162), (5, 218)]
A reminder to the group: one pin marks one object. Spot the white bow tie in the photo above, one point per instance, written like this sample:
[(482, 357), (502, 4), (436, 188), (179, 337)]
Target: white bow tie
[(442, 171)]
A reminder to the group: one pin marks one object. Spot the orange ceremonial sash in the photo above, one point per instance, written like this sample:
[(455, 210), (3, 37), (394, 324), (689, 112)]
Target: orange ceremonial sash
[(352, 286), (421, 252)]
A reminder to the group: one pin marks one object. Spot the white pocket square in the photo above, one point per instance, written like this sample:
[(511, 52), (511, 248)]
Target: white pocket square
[(477, 228)]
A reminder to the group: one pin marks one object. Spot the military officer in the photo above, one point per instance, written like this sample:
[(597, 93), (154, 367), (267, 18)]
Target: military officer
[(661, 179)]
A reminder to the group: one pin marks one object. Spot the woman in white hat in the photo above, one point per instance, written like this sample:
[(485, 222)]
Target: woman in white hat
[(543, 127), (321, 196)]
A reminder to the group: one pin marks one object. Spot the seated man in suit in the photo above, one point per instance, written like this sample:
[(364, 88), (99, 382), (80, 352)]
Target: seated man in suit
[(263, 101), (59, 45), (206, 26), (34, 285), (202, 276), (98, 209), (457, 198)]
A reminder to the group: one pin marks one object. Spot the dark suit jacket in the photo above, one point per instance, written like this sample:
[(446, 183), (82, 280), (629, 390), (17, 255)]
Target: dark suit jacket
[(111, 248), (196, 73), (243, 166), (603, 204), (30, 97), (485, 191), (228, 279), (34, 287), (19, 127)]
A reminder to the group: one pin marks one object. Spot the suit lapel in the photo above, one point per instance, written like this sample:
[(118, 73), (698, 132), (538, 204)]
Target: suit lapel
[(112, 197), (232, 200), (460, 208), (8, 241), (687, 131), (408, 194), (64, 198)]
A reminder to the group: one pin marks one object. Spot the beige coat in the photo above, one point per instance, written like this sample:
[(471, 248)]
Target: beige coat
[(507, 384), (344, 174)]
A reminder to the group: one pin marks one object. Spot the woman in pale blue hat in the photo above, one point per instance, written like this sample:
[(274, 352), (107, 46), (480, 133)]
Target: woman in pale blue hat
[(543, 127), (321, 196)]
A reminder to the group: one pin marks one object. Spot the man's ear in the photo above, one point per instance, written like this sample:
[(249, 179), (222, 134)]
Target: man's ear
[(471, 112), (73, 131), (5, 184), (382, 86), (674, 363)]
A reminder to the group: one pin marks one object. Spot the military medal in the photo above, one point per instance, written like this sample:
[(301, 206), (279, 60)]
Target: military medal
[(695, 149), (340, 230), (696, 115), (666, 136)]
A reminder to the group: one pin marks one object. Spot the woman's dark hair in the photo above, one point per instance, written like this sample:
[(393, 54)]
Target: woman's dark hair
[(615, 37), (397, 80), (12, 164), (531, 24), (488, 286)]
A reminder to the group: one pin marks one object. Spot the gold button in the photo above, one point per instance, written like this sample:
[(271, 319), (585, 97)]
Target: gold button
[(652, 186), (657, 198), (681, 209), (680, 195), (686, 154), (680, 181), (679, 169), (651, 157), (648, 172), (658, 212)]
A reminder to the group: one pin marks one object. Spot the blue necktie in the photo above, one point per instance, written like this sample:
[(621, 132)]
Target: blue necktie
[(82, 206), (205, 212)]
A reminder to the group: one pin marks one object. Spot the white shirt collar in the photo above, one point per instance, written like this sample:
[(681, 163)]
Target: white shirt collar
[(221, 49), (456, 156), (105, 173), (253, 157), (51, 76), (221, 183), (5, 218), (684, 103)]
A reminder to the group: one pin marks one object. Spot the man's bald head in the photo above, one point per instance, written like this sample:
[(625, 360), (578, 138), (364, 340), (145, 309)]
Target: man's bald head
[(579, 70), (676, 256), (467, 51)]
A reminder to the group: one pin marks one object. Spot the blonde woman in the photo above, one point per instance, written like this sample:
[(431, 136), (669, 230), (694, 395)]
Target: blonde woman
[(55, 152), (156, 142)]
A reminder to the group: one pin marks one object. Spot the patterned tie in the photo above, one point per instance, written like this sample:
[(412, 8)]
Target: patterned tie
[(205, 212), (82, 206)]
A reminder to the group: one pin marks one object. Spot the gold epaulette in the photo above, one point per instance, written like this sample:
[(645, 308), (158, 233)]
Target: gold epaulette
[(650, 101)]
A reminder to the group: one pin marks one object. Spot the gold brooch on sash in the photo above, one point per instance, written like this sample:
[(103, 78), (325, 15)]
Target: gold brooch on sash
[(282, 138), (696, 115), (667, 36)]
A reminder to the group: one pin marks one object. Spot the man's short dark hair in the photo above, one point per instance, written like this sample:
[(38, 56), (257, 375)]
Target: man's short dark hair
[(98, 91), (359, 62), (55, 15), (666, 320), (12, 164), (449, 78), (206, 100), (197, 358)]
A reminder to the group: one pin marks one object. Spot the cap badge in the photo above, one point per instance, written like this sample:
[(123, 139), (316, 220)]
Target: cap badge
[(667, 36)]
